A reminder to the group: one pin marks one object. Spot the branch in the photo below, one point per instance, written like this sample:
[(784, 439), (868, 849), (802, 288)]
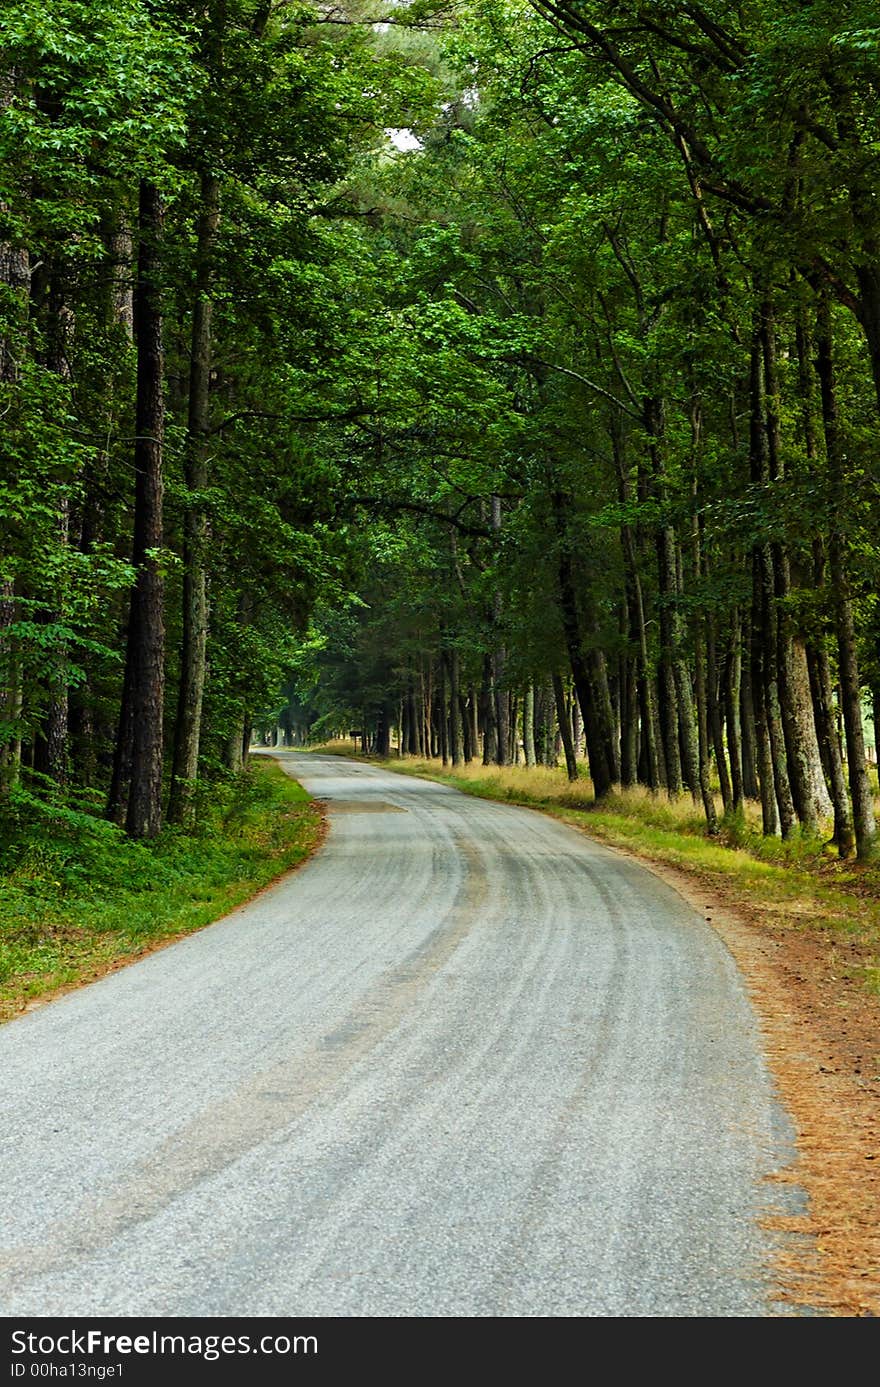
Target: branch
[(416, 508), (528, 360), (563, 17)]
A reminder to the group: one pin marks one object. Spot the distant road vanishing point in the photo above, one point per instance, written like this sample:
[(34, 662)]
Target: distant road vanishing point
[(465, 1063)]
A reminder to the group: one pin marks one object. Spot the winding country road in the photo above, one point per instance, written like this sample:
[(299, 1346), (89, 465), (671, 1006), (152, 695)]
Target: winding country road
[(465, 1062)]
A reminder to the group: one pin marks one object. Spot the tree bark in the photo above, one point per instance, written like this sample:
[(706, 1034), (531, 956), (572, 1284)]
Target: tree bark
[(529, 724), (808, 789), (499, 664), (193, 651), (15, 281), (564, 723), (443, 710), (850, 686), (748, 731), (765, 647), (456, 727), (139, 741), (473, 750), (732, 713), (490, 726), (715, 715), (829, 747), (592, 711)]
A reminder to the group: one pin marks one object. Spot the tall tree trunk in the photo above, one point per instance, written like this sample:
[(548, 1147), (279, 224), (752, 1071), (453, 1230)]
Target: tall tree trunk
[(637, 691), (490, 726), (424, 703), (562, 719), (474, 724), (747, 712), (139, 742), (10, 691), (499, 664), (607, 722), (639, 633), (732, 676), (456, 728), (15, 282), (545, 724), (576, 725), (629, 723), (592, 711), (529, 724), (701, 626), (715, 715), (187, 727), (667, 583), (758, 709), (703, 737), (829, 747), (765, 647), (850, 686), (442, 710), (51, 304), (802, 750), (666, 671)]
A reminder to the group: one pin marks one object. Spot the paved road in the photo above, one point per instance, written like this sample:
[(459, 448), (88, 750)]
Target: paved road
[(463, 1063)]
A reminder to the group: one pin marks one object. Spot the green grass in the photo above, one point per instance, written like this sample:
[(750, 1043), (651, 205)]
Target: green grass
[(77, 897), (800, 884)]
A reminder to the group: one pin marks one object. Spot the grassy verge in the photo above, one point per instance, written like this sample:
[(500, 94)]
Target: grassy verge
[(799, 885), (78, 898)]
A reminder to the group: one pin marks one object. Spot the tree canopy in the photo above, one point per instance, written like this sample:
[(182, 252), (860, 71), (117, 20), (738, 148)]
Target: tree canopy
[(497, 379)]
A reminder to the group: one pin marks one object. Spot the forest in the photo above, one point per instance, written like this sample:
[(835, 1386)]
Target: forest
[(497, 380)]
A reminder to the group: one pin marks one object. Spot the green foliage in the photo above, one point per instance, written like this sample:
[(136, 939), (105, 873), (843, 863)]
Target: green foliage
[(79, 896)]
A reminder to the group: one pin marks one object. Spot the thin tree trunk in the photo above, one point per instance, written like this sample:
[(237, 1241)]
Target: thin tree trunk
[(187, 727), (732, 678), (456, 728), (763, 755), (139, 742), (700, 627), (715, 717), (829, 747), (576, 725), (850, 686), (15, 283), (442, 711), (764, 615), (639, 632), (747, 714), (490, 727), (529, 724), (629, 723), (666, 671), (499, 663), (804, 767), (564, 727)]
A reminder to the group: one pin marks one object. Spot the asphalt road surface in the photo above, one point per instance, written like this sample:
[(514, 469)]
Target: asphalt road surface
[(463, 1063)]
